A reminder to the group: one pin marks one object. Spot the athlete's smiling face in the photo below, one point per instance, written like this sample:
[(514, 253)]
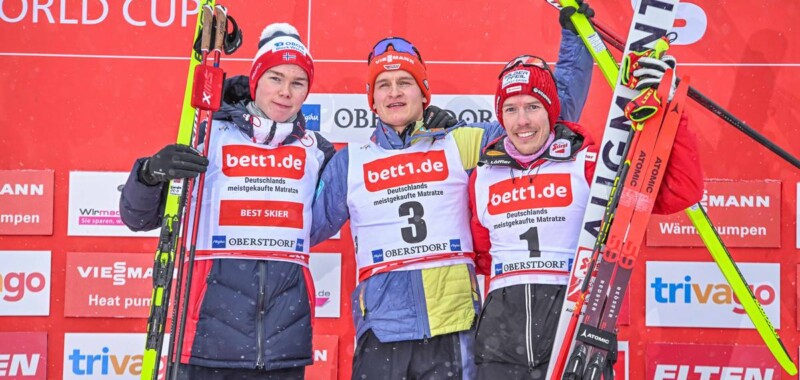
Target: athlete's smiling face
[(281, 92), (398, 99), (526, 122)]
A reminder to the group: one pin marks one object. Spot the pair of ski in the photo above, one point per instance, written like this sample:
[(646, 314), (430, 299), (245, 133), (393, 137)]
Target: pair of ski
[(202, 97), (652, 20), (621, 234)]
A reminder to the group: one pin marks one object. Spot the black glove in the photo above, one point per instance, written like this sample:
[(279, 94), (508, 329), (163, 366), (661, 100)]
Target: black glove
[(437, 118), (566, 12), (171, 162)]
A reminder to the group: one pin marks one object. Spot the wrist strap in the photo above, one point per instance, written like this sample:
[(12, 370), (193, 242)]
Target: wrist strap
[(144, 174)]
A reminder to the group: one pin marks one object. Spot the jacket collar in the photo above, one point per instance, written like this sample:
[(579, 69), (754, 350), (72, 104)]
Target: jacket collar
[(569, 140), (385, 137)]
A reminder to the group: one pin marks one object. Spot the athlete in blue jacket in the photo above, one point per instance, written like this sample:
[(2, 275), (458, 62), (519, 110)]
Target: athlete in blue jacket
[(251, 303), (405, 194)]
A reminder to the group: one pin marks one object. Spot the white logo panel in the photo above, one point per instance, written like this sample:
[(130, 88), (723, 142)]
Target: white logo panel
[(695, 294), (106, 356), (94, 205), (24, 283), (326, 269), (347, 118)]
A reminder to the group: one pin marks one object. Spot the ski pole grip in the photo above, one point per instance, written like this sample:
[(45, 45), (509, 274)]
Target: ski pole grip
[(208, 23), (220, 27), (661, 46)]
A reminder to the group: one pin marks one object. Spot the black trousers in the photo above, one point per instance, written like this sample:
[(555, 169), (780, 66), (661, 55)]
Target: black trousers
[(515, 331), (196, 372), (434, 358)]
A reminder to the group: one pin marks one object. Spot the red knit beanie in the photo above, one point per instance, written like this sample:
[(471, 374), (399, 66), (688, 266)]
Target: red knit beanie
[(280, 44), (519, 78)]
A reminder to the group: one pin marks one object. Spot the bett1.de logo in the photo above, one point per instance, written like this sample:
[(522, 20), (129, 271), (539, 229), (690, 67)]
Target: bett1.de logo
[(25, 283)]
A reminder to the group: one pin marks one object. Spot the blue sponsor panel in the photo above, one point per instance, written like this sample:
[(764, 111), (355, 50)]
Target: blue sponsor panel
[(312, 112), (377, 256), (219, 241)]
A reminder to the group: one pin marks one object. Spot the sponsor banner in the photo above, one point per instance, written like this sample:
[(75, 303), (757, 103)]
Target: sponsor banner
[(122, 15), (251, 161), (326, 269), (326, 358), (108, 285), (261, 213), (667, 361), (695, 294), (107, 356), (344, 118), (160, 20), (405, 169), (94, 205), (745, 214), (23, 355), (26, 202), (621, 367), (532, 192), (24, 283)]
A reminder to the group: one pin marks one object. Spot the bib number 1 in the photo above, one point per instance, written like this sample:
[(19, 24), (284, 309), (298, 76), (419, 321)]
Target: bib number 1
[(532, 237)]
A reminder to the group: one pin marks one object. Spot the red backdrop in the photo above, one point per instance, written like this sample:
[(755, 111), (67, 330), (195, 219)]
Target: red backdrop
[(93, 93)]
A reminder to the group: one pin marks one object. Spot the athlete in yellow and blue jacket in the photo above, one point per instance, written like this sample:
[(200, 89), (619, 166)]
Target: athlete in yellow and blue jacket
[(405, 193)]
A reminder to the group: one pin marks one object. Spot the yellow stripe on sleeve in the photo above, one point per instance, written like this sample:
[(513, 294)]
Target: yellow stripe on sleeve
[(468, 140)]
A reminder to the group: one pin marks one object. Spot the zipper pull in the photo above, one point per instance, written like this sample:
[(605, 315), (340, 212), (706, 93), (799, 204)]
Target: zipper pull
[(361, 304)]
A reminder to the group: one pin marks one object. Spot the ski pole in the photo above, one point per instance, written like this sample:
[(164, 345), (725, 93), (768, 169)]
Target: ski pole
[(206, 96), (174, 206), (173, 358)]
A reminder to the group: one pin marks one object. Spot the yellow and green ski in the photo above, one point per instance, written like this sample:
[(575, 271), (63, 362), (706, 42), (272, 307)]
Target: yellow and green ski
[(164, 265)]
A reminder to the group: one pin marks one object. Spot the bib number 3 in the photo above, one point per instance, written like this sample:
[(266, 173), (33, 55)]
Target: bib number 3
[(418, 230)]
